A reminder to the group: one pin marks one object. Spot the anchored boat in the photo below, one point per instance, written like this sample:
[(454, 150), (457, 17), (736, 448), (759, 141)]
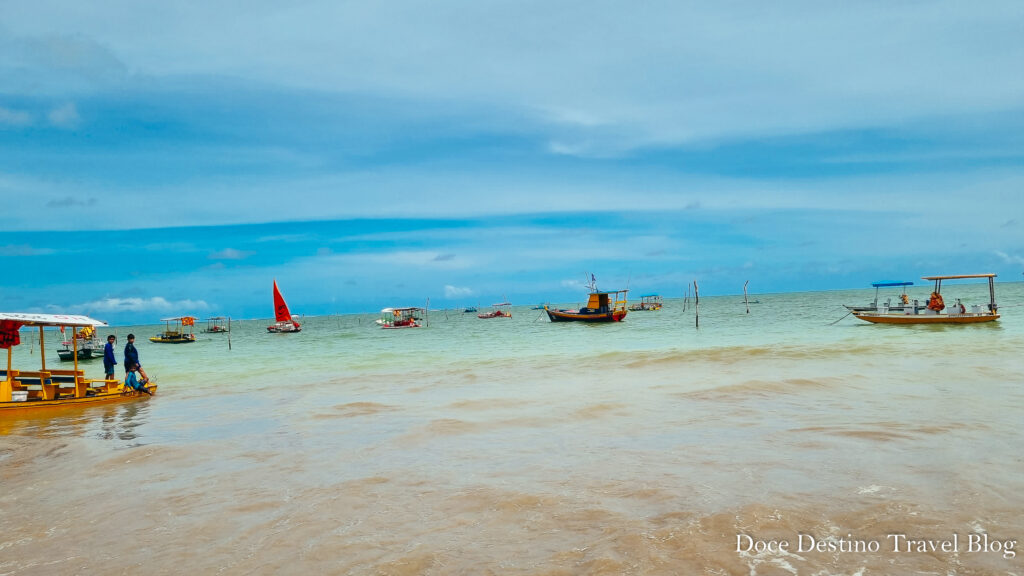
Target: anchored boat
[(175, 332), (217, 325), (391, 318), (602, 306), (937, 312), (47, 387), (84, 347), (282, 315), (647, 302), (501, 310)]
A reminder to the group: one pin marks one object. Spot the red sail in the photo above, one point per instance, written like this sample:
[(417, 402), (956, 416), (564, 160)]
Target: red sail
[(281, 313)]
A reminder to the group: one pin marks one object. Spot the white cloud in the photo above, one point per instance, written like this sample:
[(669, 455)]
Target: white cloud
[(454, 292), (11, 117), (23, 250), (65, 116), (1010, 258), (153, 304), (230, 254)]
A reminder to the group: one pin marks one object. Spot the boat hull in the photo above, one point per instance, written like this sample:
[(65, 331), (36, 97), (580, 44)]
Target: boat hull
[(877, 318), (179, 340), (600, 317), (69, 355), (99, 398)]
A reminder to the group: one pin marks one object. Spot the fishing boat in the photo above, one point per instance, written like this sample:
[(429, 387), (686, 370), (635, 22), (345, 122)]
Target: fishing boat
[(282, 315), (500, 310), (175, 333), (217, 325), (46, 387), (470, 309), (647, 302), (85, 347), (936, 311), (602, 306), (902, 299), (391, 318)]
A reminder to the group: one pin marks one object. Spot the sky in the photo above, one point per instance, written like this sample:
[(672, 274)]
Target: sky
[(176, 159)]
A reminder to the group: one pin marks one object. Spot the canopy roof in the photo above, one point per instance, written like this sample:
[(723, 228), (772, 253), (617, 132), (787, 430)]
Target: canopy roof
[(610, 291), (958, 276), (217, 318), (177, 318), (383, 310), (502, 304), (50, 319), (890, 283), (648, 295)]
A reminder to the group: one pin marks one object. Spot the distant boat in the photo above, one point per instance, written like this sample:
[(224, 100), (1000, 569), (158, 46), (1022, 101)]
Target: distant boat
[(470, 309), (87, 345), (216, 325), (175, 332), (648, 302), (283, 316), (936, 311), (501, 310), (391, 318), (602, 306)]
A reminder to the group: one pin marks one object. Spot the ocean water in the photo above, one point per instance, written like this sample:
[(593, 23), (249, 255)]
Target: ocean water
[(518, 446)]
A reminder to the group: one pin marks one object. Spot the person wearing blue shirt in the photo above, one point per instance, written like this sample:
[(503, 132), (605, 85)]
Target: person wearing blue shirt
[(108, 357), (132, 379)]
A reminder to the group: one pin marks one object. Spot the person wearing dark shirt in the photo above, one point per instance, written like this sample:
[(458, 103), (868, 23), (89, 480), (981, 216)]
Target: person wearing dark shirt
[(131, 356), (108, 357)]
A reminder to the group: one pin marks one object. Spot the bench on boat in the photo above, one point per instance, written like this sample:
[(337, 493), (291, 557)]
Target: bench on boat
[(50, 384)]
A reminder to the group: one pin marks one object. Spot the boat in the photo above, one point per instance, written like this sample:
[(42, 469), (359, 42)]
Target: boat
[(647, 302), (175, 332), (391, 318), (46, 387), (284, 323), (903, 299), (936, 311), (217, 325), (501, 310), (87, 346), (602, 306), (470, 309)]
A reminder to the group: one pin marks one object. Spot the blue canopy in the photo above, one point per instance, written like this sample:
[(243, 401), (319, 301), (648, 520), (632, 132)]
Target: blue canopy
[(891, 283)]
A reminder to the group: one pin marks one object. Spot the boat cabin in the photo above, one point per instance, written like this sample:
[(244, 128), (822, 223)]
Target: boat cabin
[(400, 317)]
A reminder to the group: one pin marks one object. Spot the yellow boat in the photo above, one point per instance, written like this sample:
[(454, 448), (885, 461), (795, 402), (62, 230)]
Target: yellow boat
[(175, 331), (937, 312), (47, 387)]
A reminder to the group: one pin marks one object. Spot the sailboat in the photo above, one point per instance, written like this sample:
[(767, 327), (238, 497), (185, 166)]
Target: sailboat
[(282, 315)]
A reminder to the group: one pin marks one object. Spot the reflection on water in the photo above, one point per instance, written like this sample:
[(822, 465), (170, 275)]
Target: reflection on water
[(524, 447)]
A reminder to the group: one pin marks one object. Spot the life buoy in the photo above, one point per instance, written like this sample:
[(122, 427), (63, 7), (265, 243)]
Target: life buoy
[(936, 303)]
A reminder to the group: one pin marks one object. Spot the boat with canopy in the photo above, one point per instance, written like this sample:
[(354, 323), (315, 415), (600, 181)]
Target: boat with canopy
[(217, 325), (87, 346), (647, 302), (175, 333), (936, 311), (392, 318), (500, 310), (48, 387), (282, 315)]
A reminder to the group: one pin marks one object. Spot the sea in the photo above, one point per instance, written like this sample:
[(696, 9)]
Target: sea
[(699, 439)]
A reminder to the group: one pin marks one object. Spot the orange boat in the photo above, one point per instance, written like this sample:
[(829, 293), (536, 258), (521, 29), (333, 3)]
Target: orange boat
[(501, 310), (937, 312), (602, 306)]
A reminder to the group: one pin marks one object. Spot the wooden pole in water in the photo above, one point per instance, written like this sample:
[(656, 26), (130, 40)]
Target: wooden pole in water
[(745, 301), (229, 332), (696, 305)]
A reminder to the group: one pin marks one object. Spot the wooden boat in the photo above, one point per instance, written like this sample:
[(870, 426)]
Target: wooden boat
[(647, 302), (175, 332), (46, 387), (217, 325), (392, 318), (470, 309), (602, 306), (87, 346), (284, 323), (936, 312), (903, 299), (501, 310)]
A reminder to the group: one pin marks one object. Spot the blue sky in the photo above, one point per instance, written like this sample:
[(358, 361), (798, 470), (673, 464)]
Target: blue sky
[(164, 159)]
